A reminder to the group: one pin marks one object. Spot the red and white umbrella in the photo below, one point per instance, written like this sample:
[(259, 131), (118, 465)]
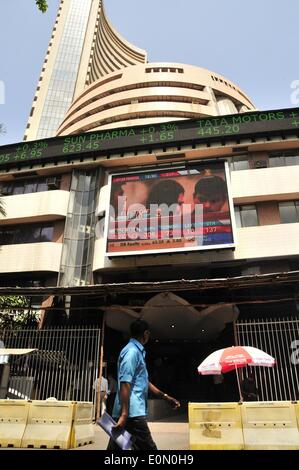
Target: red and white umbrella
[(232, 358)]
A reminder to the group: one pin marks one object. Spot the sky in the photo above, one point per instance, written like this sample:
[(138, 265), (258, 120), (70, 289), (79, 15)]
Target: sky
[(253, 43)]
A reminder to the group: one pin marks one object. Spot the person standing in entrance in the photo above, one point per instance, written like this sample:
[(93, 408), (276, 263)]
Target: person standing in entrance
[(130, 407), (103, 392), (249, 389), (112, 389)]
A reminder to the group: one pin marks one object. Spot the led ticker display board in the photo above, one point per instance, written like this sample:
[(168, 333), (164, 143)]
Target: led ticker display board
[(138, 137), (164, 211)]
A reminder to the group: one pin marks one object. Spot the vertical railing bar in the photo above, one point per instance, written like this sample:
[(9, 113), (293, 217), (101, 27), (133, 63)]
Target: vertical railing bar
[(289, 364), (73, 370), (271, 371), (87, 370), (279, 377), (30, 358), (295, 326), (277, 356), (53, 341), (66, 364), (281, 360), (287, 390), (21, 363), (292, 335), (244, 342), (48, 366), (84, 334), (60, 369), (53, 346), (43, 363), (81, 358), (258, 343), (98, 346), (77, 362), (272, 352), (68, 367), (297, 365), (266, 371)]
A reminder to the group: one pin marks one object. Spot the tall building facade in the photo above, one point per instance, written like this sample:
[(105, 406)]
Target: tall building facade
[(123, 120), (83, 48)]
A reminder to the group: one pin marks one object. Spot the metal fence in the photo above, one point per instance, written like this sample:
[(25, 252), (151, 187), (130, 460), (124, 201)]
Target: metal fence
[(65, 365), (280, 339)]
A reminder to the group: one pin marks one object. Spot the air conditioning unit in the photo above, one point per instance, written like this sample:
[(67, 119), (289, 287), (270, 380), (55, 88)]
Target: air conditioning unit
[(52, 183), (260, 164)]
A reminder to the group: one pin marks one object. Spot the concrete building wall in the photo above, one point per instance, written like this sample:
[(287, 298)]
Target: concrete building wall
[(31, 257), (252, 244), (268, 213), (35, 207), (265, 184)]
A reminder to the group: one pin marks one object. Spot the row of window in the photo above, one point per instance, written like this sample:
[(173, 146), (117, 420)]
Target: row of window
[(32, 185), (26, 234), (164, 69), (247, 216), (282, 159)]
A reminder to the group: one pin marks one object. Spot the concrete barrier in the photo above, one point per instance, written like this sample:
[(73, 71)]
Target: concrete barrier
[(13, 419), (83, 429), (215, 426), (49, 425), (270, 425)]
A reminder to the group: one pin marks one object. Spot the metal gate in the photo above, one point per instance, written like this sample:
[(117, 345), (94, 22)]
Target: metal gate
[(65, 365), (279, 338)]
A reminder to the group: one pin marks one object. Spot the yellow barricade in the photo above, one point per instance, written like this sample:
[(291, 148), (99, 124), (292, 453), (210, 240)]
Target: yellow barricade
[(49, 425), (13, 419), (270, 425), (297, 413), (83, 429), (215, 426)]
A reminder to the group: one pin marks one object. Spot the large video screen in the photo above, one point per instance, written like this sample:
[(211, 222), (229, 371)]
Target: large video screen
[(170, 210)]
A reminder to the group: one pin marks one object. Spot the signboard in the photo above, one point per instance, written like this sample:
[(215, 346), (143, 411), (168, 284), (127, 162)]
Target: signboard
[(138, 137), (165, 211)]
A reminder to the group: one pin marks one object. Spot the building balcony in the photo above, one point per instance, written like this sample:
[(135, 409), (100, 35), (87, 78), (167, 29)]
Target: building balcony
[(265, 184), (42, 206), (30, 257)]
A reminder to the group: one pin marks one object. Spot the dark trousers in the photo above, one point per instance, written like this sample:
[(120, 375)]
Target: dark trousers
[(110, 403), (142, 438)]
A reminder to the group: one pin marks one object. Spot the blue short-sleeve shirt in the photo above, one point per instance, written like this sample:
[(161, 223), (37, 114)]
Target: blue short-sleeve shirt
[(132, 369)]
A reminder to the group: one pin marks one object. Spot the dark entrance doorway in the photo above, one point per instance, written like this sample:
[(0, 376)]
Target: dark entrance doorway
[(172, 366)]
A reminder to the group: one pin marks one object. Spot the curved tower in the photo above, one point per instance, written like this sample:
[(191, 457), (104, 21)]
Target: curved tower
[(93, 78)]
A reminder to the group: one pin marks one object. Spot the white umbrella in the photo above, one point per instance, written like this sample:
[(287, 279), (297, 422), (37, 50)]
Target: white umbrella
[(232, 358)]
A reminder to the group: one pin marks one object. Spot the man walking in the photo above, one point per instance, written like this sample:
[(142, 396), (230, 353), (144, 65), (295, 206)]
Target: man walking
[(130, 407)]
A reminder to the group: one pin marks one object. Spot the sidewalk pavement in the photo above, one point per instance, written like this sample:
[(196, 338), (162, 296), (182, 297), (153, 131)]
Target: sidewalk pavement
[(167, 436)]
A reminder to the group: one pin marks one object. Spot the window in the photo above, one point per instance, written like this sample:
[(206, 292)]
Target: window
[(28, 186), (46, 234), (289, 212), (284, 159), (246, 216), (20, 234)]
